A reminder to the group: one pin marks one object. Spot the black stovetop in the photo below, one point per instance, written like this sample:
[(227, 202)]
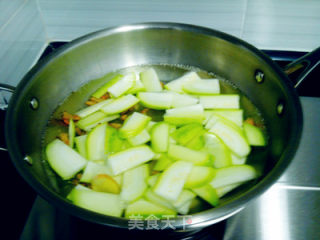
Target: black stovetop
[(30, 217)]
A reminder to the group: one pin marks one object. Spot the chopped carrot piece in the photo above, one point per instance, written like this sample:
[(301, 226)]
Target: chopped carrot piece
[(105, 96), (250, 121), (90, 103), (64, 138), (124, 117), (145, 110), (66, 121), (79, 131)]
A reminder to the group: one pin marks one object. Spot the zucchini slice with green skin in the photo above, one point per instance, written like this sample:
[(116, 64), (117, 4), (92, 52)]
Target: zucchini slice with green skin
[(134, 183), (113, 141), (232, 175), (184, 209), (160, 137), (141, 138), (93, 108), (187, 132), (71, 133), (234, 115), (145, 208), (100, 202), (81, 145), (221, 155), (120, 104), (177, 152), (91, 119), (93, 169), (238, 160), (156, 199), (137, 87), (221, 191), (162, 163), (65, 161), (129, 158), (133, 125), (104, 120), (177, 84), (150, 80), (232, 135), (184, 115), (152, 180), (221, 101), (122, 85), (183, 100), (202, 86), (156, 100), (96, 142), (197, 143), (172, 180), (199, 176), (104, 88), (254, 135), (207, 193), (185, 196)]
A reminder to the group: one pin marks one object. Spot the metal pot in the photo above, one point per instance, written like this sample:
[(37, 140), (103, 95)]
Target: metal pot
[(49, 82)]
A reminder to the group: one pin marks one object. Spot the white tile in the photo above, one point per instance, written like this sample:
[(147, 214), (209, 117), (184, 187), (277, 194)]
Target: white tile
[(286, 24)]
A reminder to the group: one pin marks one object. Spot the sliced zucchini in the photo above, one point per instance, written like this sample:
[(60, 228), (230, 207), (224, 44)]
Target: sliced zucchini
[(71, 133), (150, 80), (113, 141), (129, 158), (134, 183), (221, 155), (105, 183), (202, 86), (232, 175), (254, 135), (122, 85), (133, 125), (221, 191), (120, 104), (104, 88), (156, 100), (160, 137), (163, 162), (184, 209), (156, 199), (145, 209), (65, 161), (91, 119), (141, 138), (234, 115), (176, 85), (92, 169), (81, 145), (150, 125), (137, 87), (186, 133), (184, 197), (197, 143), (96, 143), (93, 108), (238, 160), (220, 101), (183, 100), (152, 180), (199, 176), (232, 135), (100, 202), (177, 152), (172, 180), (207, 193), (104, 120), (184, 115)]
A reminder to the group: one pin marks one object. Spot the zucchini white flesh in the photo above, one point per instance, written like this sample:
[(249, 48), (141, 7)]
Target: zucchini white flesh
[(133, 125), (93, 169), (182, 100), (160, 137), (91, 119), (134, 183), (234, 115), (150, 125), (221, 101), (221, 155), (122, 85), (152, 180), (172, 180), (207, 193), (184, 209), (65, 161), (93, 108), (197, 143), (177, 152), (203, 86), (104, 88), (187, 132), (176, 85), (71, 133), (185, 196), (162, 163), (129, 158), (238, 160), (232, 135), (232, 175), (254, 135), (150, 80), (96, 141), (156, 199), (100, 202), (156, 100), (145, 208), (137, 87), (221, 191), (199, 176), (113, 141), (141, 138), (104, 120), (184, 115), (120, 104), (81, 145)]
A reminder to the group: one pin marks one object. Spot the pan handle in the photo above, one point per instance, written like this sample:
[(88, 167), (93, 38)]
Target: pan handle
[(4, 106), (298, 70)]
